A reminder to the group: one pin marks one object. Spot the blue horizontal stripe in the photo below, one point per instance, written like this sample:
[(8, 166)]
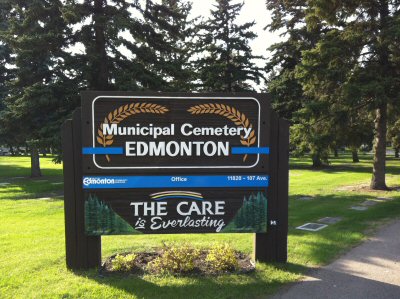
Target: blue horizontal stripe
[(179, 181), (250, 150), (178, 196), (103, 150), (120, 150)]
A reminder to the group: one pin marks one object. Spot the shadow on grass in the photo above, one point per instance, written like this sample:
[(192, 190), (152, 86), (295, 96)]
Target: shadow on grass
[(325, 245), (12, 169), (29, 188), (334, 205), (258, 283), (345, 165)]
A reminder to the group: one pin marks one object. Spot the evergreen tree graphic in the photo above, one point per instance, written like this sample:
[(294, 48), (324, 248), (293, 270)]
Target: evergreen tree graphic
[(100, 219), (251, 217)]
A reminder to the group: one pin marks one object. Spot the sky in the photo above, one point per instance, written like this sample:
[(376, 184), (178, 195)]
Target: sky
[(253, 10)]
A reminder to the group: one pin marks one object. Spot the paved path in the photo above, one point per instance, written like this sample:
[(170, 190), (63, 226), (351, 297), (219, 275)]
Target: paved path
[(369, 271)]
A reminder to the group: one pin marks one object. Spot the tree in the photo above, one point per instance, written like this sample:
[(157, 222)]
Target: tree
[(36, 35), (394, 135), (227, 62), (170, 20), (99, 37), (354, 64), (284, 88), (356, 130), (126, 45), (394, 128), (5, 54), (6, 73), (309, 133), (130, 45)]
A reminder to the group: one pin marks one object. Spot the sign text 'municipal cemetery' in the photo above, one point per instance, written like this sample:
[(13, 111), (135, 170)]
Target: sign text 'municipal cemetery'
[(174, 147)]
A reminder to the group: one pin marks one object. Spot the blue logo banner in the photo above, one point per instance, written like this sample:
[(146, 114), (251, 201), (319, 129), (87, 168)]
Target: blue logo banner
[(179, 181)]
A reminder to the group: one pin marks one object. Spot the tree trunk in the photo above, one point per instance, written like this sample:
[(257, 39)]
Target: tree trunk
[(12, 150), (100, 71), (336, 152), (396, 153), (316, 160), (35, 163), (354, 154), (378, 181)]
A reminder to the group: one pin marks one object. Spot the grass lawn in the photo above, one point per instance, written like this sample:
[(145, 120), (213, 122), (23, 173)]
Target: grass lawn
[(32, 260)]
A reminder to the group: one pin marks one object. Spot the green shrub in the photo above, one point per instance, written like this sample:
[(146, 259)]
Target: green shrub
[(124, 263), (176, 258), (222, 257)]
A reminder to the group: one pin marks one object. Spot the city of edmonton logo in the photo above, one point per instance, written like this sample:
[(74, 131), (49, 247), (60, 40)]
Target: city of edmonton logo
[(97, 181), (176, 195)]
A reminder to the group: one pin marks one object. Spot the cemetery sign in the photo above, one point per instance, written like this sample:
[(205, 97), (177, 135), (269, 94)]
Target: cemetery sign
[(159, 163)]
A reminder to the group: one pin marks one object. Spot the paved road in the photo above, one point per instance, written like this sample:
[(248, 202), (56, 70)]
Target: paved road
[(369, 271)]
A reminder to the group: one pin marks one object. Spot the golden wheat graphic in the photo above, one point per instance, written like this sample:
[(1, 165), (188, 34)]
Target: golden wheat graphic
[(231, 113), (122, 112)]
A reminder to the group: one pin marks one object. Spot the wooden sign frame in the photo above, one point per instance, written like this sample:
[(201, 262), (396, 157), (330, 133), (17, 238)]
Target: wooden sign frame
[(84, 251)]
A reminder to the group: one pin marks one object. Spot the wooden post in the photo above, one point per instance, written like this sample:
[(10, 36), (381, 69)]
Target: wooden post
[(69, 198), (272, 246), (82, 252), (283, 191)]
